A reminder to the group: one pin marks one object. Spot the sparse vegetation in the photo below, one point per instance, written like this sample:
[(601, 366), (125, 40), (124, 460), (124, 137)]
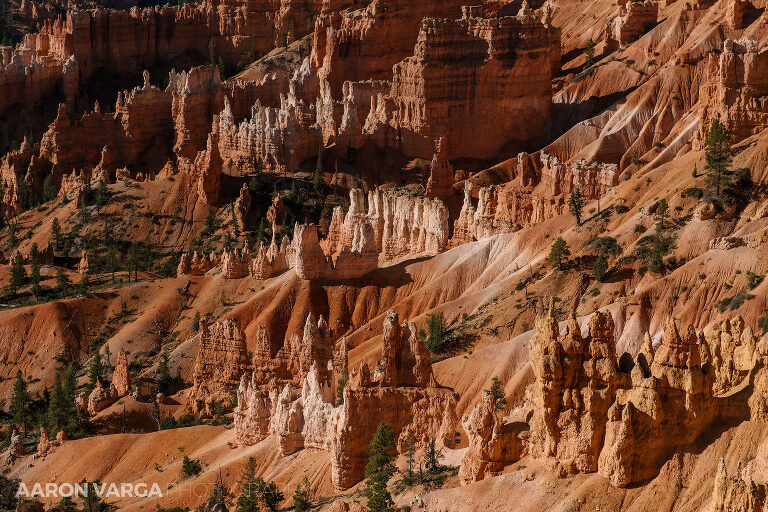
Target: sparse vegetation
[(498, 398), (190, 467), (558, 254)]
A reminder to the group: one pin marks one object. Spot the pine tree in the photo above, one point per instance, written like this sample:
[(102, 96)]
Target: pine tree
[(340, 385), (196, 321), (433, 456), (659, 248), (96, 370), (267, 493), (69, 391), (380, 468), (56, 228), (498, 399), (49, 189), (589, 53), (163, 373), (437, 337), (57, 408), (102, 195), (12, 240), (247, 500), (133, 261), (410, 455), (600, 267), (111, 260), (301, 497), (20, 412), (209, 222), (147, 256), (558, 253), (317, 180), (34, 262), (26, 194), (576, 204), (62, 283), (18, 275), (717, 151)]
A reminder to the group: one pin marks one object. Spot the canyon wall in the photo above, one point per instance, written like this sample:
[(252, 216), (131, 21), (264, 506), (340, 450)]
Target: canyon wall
[(468, 77), (737, 79), (364, 44), (538, 191), (69, 51)]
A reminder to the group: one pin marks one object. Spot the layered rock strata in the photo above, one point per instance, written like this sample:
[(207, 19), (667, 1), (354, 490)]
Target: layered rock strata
[(538, 191), (633, 19), (403, 395), (222, 358), (466, 77), (733, 90), (588, 411)]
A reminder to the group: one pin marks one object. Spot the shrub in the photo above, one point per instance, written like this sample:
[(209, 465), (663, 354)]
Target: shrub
[(191, 467)]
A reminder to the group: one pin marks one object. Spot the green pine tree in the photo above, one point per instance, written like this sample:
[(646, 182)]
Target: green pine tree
[(717, 151), (96, 369), (57, 407), (18, 275), (589, 53), (111, 260), (600, 267), (248, 499), (301, 497), (558, 254), (20, 411), (498, 398), (576, 204), (380, 468), (49, 189), (56, 229), (102, 195), (340, 385), (63, 284), (317, 179), (69, 390), (34, 263), (133, 261), (163, 373)]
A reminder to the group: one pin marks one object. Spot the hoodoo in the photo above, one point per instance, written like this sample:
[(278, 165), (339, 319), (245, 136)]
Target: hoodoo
[(379, 255)]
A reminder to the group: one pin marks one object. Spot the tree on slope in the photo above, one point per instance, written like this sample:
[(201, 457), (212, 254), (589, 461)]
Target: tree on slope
[(558, 253), (717, 151), (380, 468), (20, 412)]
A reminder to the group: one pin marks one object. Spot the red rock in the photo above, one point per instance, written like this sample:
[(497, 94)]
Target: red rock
[(407, 398), (99, 399), (222, 359), (242, 207), (121, 377), (508, 82), (632, 21), (44, 446), (492, 444)]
